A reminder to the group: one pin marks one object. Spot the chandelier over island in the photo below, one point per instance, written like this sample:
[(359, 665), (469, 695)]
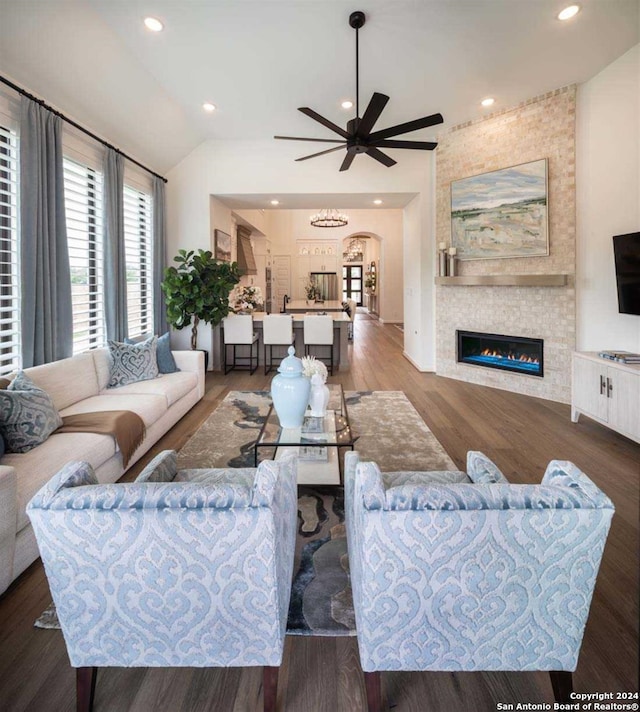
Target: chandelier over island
[(329, 218)]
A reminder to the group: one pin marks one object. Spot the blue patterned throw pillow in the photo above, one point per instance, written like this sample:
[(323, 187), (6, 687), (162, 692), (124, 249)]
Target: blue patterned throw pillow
[(164, 357), (27, 414), (131, 363)]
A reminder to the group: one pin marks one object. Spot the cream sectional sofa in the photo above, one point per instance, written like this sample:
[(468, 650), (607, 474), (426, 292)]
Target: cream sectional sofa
[(79, 385)]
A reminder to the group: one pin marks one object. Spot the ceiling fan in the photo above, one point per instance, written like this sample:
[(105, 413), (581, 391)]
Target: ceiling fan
[(359, 138)]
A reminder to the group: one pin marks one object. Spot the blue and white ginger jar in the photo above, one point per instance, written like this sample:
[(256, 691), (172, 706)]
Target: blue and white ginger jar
[(290, 391)]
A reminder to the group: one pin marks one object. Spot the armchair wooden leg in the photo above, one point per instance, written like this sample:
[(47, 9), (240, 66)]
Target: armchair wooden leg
[(562, 683), (85, 688), (373, 687), (270, 686)]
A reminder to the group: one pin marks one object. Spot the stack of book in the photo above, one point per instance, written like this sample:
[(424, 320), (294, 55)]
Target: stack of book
[(312, 440), (622, 356)]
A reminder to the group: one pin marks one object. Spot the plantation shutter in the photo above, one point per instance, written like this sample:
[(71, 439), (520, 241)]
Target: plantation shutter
[(138, 241)]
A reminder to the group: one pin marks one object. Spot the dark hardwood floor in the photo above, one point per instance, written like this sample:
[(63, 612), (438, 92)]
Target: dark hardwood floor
[(322, 674)]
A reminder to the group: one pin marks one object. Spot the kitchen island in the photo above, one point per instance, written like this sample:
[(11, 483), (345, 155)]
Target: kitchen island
[(340, 341), (301, 306)]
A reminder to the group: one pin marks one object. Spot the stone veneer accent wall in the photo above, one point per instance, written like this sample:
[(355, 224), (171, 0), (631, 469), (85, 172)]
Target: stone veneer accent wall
[(543, 127)]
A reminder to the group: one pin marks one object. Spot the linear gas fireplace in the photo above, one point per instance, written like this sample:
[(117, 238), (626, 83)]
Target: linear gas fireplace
[(507, 353)]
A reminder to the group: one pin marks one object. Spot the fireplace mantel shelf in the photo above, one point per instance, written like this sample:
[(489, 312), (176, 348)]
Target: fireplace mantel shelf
[(504, 280)]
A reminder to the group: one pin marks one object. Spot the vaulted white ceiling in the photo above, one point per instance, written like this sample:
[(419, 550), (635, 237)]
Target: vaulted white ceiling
[(260, 60)]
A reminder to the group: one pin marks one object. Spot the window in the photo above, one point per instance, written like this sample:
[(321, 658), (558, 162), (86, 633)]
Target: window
[(83, 212), (9, 263), (139, 259)]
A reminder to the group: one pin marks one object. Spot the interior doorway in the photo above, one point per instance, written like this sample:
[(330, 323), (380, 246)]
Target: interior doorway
[(352, 283), (281, 281)]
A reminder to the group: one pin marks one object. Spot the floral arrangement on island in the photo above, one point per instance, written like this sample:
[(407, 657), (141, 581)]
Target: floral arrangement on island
[(312, 366), (310, 289), (246, 298)]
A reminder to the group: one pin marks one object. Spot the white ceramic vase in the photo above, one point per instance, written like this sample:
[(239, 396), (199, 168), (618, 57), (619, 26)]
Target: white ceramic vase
[(318, 396)]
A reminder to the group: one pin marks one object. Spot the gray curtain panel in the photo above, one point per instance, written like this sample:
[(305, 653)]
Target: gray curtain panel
[(115, 269), (47, 317), (159, 257)]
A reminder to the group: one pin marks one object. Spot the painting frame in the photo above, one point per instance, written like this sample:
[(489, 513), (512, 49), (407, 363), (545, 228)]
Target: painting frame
[(503, 213), (222, 246)]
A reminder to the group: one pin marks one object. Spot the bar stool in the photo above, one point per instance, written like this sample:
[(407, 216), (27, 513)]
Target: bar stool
[(238, 331), (277, 330), (318, 331)]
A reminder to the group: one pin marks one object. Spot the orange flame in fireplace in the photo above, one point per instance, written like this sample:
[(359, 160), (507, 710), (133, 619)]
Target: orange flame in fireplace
[(510, 356)]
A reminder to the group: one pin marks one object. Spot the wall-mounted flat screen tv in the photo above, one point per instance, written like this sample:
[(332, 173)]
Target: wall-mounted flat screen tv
[(626, 251)]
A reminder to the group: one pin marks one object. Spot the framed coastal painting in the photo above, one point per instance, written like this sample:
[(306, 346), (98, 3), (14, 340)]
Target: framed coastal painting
[(222, 246), (502, 213)]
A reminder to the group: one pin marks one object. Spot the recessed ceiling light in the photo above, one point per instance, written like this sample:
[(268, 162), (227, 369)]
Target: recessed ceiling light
[(153, 24), (347, 104), (377, 201), (275, 202), (208, 106), (488, 101), (569, 12)]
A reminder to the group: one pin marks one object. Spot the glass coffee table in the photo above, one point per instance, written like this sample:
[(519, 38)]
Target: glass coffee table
[(318, 441)]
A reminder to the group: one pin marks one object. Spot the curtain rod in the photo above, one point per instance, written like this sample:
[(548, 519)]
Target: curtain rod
[(42, 103)]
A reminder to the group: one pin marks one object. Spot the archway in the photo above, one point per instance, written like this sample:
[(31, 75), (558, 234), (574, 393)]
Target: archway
[(362, 269)]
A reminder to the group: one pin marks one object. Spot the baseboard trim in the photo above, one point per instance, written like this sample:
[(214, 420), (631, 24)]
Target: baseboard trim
[(416, 366)]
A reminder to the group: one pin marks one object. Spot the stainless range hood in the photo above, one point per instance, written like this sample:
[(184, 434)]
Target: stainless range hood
[(246, 260)]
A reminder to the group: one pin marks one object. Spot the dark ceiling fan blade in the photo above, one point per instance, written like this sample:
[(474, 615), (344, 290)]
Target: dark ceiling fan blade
[(422, 123), (325, 122), (372, 114), (420, 145), (348, 160), (382, 157), (321, 140), (320, 153)]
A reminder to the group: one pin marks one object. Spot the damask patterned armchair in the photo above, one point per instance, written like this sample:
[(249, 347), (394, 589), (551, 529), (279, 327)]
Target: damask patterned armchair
[(189, 568), (453, 573)]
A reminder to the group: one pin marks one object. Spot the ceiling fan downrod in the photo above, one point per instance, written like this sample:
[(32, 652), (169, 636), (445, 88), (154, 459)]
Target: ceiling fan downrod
[(357, 20)]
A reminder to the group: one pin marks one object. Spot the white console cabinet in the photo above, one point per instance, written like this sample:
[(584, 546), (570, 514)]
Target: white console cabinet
[(607, 391)]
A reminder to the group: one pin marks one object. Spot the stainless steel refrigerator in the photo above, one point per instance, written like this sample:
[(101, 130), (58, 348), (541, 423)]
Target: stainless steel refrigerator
[(327, 284)]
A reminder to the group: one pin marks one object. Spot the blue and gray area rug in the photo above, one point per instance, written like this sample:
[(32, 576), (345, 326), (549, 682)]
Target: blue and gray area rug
[(391, 433)]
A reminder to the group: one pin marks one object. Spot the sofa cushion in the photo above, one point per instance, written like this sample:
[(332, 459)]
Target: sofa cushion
[(37, 466), (132, 362), (440, 477), (482, 470), (27, 414), (102, 361), (172, 386), (149, 407), (162, 468), (56, 378)]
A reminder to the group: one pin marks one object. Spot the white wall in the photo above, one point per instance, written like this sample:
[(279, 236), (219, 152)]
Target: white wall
[(269, 167), (607, 199), (419, 273)]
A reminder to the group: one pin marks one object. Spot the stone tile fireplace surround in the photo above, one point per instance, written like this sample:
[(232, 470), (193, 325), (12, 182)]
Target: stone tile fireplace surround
[(543, 127)]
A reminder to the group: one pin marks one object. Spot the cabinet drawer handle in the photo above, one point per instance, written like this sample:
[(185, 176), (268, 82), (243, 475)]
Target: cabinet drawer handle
[(609, 387), (603, 385)]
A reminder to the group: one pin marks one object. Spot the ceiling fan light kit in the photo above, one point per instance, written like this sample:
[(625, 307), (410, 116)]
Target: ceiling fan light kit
[(359, 136)]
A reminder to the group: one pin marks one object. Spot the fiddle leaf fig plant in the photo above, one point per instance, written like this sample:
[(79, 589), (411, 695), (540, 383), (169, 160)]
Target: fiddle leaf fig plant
[(198, 290)]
